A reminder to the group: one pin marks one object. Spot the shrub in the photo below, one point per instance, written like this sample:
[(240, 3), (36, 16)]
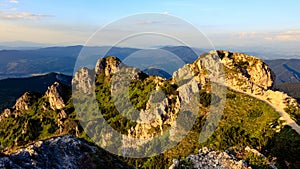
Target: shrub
[(205, 98)]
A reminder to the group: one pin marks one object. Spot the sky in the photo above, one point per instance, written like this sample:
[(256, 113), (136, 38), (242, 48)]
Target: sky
[(225, 23)]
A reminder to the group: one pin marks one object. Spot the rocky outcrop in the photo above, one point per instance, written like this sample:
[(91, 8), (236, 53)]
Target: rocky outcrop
[(159, 112), (60, 152), (207, 158), (6, 113), (250, 67), (56, 95), (242, 72), (109, 65), (82, 81), (24, 102)]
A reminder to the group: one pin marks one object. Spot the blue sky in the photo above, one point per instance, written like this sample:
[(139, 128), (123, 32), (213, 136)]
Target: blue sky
[(225, 22)]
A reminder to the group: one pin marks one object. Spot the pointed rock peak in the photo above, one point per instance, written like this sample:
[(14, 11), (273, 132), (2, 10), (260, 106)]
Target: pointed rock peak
[(83, 80), (25, 101), (108, 65), (57, 95)]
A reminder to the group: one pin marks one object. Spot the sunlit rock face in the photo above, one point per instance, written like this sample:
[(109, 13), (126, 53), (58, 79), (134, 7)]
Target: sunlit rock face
[(25, 101), (55, 95), (109, 65)]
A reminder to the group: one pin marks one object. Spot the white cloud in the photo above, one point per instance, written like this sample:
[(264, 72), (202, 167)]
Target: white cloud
[(247, 35), (14, 1), (291, 35), (21, 15)]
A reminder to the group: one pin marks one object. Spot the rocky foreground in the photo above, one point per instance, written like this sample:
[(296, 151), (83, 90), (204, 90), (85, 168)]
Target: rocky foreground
[(207, 158), (71, 152), (60, 152)]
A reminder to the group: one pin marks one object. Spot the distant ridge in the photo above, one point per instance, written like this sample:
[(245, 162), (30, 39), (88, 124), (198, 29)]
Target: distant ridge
[(12, 88)]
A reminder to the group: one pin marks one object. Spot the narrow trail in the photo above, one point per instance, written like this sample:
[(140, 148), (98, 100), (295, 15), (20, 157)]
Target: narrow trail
[(284, 116)]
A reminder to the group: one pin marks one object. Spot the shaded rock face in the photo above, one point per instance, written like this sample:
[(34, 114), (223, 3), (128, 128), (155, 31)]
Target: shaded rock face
[(56, 95), (60, 152), (207, 158), (25, 101), (110, 65)]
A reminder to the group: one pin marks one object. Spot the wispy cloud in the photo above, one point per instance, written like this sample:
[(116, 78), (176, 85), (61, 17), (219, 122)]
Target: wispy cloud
[(21, 15), (14, 1), (247, 35), (291, 35)]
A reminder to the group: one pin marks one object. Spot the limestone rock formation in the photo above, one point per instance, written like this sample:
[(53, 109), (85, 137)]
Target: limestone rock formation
[(56, 95), (60, 152), (253, 68), (109, 65), (242, 72), (82, 81), (207, 158), (24, 102), (6, 113)]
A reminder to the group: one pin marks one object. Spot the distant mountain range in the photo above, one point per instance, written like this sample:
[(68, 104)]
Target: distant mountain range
[(286, 70), (25, 63)]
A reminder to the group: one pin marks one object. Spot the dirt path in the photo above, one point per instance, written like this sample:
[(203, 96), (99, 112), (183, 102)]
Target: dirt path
[(284, 116)]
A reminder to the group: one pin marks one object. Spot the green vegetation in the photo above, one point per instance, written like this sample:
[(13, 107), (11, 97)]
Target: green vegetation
[(205, 98), (294, 112), (245, 122), (139, 92), (257, 162), (285, 145), (107, 104), (35, 124)]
